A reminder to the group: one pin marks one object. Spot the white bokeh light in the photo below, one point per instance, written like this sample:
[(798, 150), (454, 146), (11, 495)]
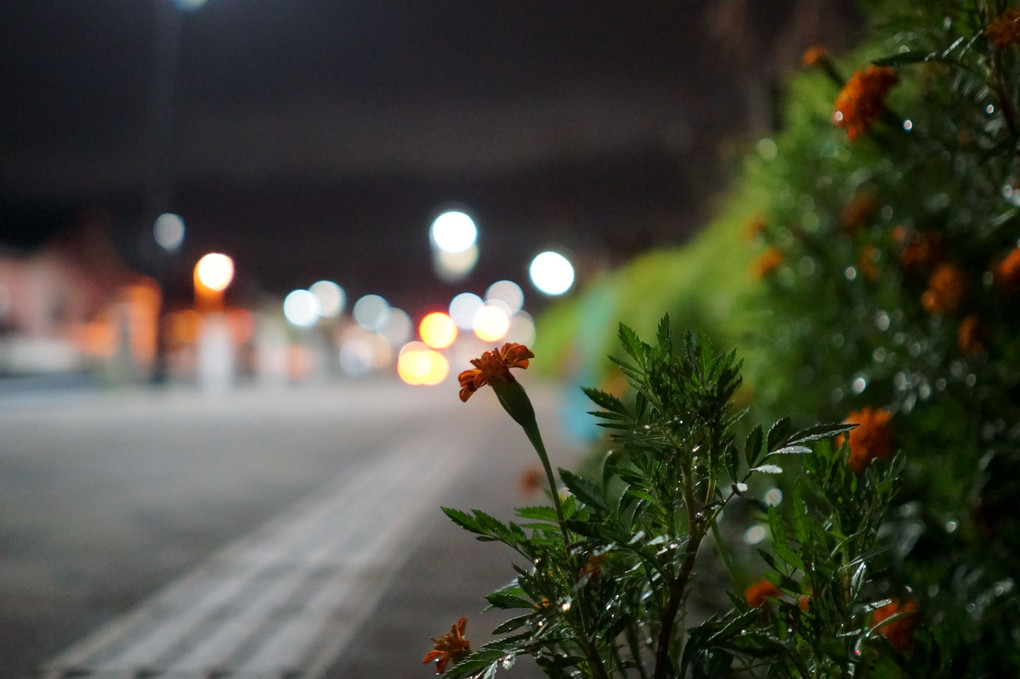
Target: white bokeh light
[(522, 329), (301, 308), (399, 327), (453, 266), (552, 273), (453, 231), (507, 292), (331, 298), (372, 313), (168, 231), (463, 308)]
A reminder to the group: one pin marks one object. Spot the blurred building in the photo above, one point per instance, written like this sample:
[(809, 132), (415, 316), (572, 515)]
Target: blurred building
[(68, 303)]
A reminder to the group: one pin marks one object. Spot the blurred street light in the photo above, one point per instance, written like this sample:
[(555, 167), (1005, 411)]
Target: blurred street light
[(169, 231), (213, 274), (463, 308), (453, 231), (331, 296), (491, 323), (453, 236), (551, 273), (301, 308), (437, 330)]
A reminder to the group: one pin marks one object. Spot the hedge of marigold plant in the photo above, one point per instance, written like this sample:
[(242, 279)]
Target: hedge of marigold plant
[(605, 577), (874, 282)]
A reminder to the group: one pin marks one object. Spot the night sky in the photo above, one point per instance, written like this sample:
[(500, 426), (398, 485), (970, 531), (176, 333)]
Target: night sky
[(316, 138)]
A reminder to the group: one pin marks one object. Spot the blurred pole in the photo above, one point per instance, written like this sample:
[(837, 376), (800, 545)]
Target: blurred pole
[(159, 156), (160, 112)]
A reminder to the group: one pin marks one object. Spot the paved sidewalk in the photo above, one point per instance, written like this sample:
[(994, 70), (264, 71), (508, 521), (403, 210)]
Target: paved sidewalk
[(313, 594)]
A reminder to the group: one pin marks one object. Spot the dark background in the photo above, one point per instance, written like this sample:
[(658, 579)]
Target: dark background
[(317, 138)]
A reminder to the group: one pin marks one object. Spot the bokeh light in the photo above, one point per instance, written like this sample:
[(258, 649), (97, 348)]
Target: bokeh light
[(522, 329), (463, 308), (507, 292), (399, 327), (437, 330), (552, 273), (372, 313), (420, 365), (362, 353), (453, 231), (453, 266), (215, 271), (491, 323), (168, 230), (331, 298), (301, 308)]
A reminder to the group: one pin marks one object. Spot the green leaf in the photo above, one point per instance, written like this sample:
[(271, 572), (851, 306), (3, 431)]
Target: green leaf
[(539, 513), (818, 432), (583, 489), (641, 495), (466, 521), (780, 539), (606, 401), (790, 450), (663, 336), (502, 599), (767, 558), (631, 343), (752, 446), (512, 624), (784, 552), (801, 523), (491, 524), (732, 460), (778, 433)]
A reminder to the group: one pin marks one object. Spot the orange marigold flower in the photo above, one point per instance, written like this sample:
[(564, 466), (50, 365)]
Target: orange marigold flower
[(451, 646), (814, 55), (858, 211), (898, 631), (1005, 30), (493, 365), (922, 251), (945, 289), (969, 335), (765, 263), (870, 440), (862, 100), (1007, 273), (866, 262), (756, 593)]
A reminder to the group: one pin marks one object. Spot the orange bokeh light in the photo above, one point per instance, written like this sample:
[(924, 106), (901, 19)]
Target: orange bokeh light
[(215, 271), (420, 365), (438, 330)]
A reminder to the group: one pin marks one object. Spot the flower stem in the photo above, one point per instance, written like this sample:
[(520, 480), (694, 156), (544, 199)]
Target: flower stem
[(516, 403), (536, 441)]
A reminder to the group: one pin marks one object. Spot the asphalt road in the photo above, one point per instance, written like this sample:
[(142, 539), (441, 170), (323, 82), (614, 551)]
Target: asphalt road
[(110, 498)]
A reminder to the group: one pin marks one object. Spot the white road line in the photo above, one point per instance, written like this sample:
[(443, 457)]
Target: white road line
[(289, 596)]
